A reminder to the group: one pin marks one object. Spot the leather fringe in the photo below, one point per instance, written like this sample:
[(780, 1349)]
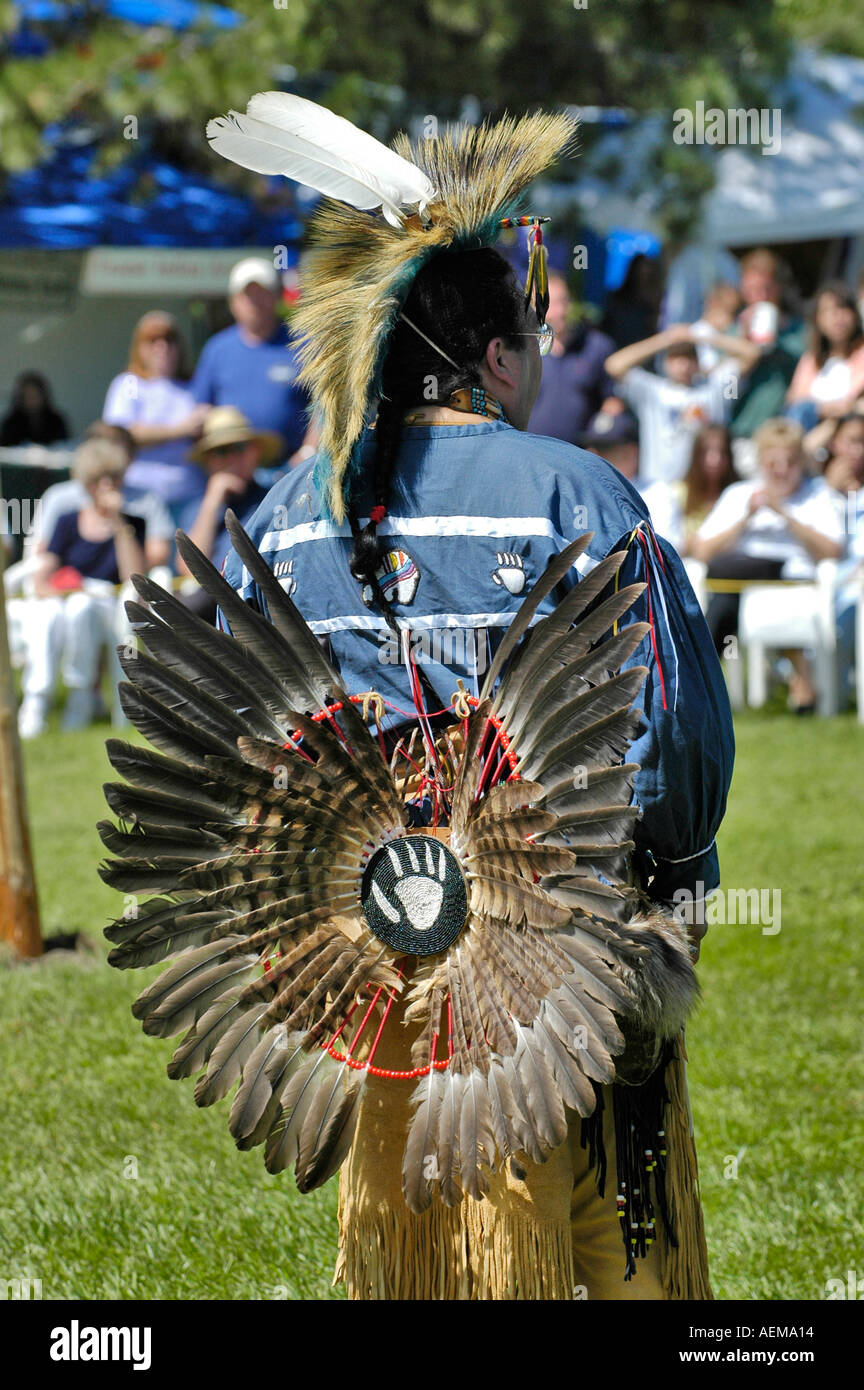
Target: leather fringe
[(685, 1267), (515, 1257), (468, 1252), (392, 1253)]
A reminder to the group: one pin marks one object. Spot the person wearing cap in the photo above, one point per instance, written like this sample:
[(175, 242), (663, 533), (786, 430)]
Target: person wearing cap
[(672, 408), (229, 451), (252, 365)]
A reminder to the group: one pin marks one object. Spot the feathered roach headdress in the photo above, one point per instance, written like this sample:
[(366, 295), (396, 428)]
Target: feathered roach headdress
[(448, 193)]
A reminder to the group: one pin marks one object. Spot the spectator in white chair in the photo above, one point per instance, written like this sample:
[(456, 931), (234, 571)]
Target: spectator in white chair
[(89, 552), (778, 525), (71, 496)]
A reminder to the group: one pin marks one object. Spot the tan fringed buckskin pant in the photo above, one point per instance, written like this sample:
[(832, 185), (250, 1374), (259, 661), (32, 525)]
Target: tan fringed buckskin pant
[(551, 1237)]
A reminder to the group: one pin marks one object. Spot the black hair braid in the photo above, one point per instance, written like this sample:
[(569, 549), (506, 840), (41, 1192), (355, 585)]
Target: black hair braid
[(365, 553)]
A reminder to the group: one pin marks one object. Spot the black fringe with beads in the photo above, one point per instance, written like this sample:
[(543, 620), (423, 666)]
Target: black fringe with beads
[(640, 1159)]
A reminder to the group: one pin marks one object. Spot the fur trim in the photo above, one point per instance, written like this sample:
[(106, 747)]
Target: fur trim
[(661, 979), (360, 269)]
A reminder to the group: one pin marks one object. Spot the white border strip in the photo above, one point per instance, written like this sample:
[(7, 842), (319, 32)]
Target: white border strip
[(274, 541), (417, 526), (371, 622)]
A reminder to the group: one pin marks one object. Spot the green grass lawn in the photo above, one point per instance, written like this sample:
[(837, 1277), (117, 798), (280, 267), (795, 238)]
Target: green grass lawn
[(114, 1185)]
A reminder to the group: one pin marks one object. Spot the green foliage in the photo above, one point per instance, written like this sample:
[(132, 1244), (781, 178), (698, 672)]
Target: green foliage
[(774, 1073), (834, 25), (382, 63)]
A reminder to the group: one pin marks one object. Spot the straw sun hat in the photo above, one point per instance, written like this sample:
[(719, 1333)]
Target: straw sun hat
[(227, 425)]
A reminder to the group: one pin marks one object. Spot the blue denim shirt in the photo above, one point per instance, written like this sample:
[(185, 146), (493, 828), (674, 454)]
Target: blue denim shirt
[(476, 512)]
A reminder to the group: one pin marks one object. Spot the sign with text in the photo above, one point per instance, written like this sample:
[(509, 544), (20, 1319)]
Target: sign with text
[(162, 270)]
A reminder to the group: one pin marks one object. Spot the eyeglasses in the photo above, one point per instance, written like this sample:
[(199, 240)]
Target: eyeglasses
[(167, 337), (545, 336)]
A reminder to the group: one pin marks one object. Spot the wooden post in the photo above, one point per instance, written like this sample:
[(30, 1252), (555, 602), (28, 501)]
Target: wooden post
[(19, 904)]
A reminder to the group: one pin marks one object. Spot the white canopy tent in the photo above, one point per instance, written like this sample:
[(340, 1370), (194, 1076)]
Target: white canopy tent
[(811, 189)]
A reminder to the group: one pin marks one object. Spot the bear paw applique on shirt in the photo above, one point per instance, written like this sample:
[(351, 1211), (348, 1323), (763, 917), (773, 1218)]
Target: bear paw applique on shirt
[(509, 572)]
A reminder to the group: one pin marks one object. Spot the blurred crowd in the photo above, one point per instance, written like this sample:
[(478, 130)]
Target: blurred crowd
[(173, 448), (743, 432)]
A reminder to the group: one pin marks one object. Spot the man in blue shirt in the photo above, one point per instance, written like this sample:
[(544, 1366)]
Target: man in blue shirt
[(478, 509), (575, 383), (425, 533), (253, 365)]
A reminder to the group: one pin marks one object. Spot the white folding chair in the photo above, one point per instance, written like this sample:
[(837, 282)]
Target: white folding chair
[(18, 592), (800, 616), (697, 573)]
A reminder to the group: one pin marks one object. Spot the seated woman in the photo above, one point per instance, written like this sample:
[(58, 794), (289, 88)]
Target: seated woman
[(830, 375), (230, 451), (777, 525), (71, 496), (711, 471), (88, 553)]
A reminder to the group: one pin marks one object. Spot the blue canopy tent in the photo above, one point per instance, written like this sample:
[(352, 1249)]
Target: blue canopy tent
[(167, 14), (173, 14), (144, 202), (622, 245)]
